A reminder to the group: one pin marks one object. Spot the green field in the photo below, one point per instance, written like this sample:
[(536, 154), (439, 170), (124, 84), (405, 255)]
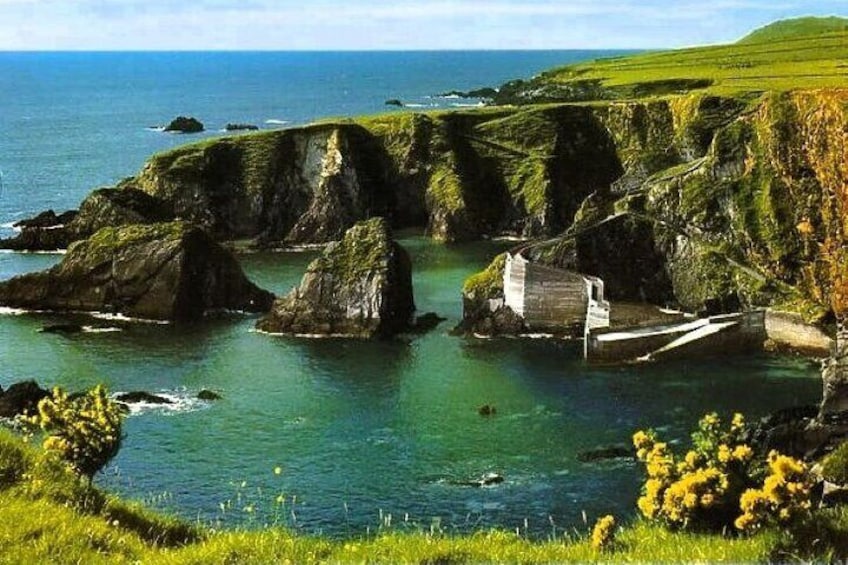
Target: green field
[(789, 55)]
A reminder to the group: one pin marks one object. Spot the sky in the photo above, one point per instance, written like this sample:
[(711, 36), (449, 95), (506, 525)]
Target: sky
[(387, 24)]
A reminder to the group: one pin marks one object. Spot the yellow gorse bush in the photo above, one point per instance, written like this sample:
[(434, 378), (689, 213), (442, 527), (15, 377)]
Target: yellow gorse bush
[(785, 494), (704, 488), (84, 430), (603, 534)]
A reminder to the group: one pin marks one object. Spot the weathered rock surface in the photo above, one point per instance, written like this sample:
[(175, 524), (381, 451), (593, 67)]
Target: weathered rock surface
[(183, 124), (361, 286), (835, 376), (161, 271), (105, 207), (141, 397), (21, 399)]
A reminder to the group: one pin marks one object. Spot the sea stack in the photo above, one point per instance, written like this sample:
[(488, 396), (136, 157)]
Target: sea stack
[(166, 271), (361, 286)]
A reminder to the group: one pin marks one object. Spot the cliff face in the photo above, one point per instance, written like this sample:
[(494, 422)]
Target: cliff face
[(721, 205), (719, 202)]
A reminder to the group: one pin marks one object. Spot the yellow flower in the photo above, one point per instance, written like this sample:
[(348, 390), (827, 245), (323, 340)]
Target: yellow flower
[(603, 534), (724, 453), (278, 470), (742, 453)]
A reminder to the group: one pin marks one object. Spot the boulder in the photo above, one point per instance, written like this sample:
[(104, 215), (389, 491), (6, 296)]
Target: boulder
[(21, 399), (170, 271), (183, 124), (141, 397), (361, 286), (208, 395)]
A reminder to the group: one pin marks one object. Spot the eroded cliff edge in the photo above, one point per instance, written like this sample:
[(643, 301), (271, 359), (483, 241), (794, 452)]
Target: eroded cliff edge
[(718, 202)]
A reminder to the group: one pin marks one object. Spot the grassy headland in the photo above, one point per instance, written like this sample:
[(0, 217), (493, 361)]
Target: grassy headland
[(788, 55)]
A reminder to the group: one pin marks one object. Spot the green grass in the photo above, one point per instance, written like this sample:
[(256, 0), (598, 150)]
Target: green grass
[(796, 27), (779, 58)]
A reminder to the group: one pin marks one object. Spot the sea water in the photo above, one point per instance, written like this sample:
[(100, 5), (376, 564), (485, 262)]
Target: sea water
[(366, 434)]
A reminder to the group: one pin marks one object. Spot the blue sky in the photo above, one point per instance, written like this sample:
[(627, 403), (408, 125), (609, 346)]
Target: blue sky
[(388, 24)]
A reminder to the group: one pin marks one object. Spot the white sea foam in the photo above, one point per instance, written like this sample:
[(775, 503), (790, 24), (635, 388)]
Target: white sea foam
[(155, 128), (468, 104), (181, 401), (97, 330), (26, 252), (414, 105), (6, 311), (123, 318), (11, 226), (277, 122)]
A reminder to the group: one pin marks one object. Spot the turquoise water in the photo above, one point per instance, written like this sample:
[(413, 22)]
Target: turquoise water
[(357, 427), (362, 427)]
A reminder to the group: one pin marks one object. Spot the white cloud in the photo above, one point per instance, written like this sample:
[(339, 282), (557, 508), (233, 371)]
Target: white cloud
[(384, 24)]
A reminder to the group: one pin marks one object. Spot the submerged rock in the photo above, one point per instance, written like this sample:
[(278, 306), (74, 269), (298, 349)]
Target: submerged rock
[(361, 286), (142, 397), (208, 395), (61, 329), (620, 451), (241, 127), (487, 410), (168, 271), (21, 399)]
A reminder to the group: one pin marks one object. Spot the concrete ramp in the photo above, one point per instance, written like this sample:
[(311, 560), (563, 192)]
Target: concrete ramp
[(704, 337), (694, 343)]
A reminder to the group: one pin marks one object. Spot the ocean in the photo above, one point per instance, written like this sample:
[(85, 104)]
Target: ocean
[(361, 430)]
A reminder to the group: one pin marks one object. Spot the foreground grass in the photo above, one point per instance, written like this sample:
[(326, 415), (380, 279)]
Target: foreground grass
[(48, 516)]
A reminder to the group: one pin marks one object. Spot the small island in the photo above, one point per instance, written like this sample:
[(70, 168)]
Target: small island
[(183, 124)]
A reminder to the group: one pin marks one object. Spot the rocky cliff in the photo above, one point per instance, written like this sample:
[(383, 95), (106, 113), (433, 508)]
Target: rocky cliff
[(160, 271), (722, 204), (361, 286)]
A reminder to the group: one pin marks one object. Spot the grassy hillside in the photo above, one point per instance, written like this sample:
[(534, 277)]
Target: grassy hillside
[(796, 27), (788, 55)]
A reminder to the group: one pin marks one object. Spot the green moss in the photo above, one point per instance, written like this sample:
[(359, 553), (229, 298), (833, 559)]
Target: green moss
[(835, 465), (115, 238), (445, 191), (363, 248), (487, 283)]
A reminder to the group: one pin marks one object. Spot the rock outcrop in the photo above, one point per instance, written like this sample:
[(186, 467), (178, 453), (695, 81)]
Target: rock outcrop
[(183, 124), (21, 399), (361, 286), (169, 271), (723, 203), (104, 207)]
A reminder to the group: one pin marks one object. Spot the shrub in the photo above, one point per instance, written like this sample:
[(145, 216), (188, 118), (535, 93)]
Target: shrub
[(84, 430), (603, 534), (719, 482), (701, 490), (784, 496)]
